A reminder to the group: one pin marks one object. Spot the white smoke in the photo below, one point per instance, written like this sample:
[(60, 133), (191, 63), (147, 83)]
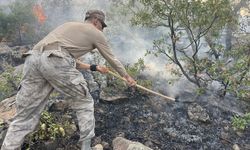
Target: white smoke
[(129, 43)]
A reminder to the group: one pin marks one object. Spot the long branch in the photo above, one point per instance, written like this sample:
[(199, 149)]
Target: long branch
[(170, 22)]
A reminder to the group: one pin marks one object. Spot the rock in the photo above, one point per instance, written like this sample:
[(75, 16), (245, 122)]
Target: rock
[(97, 140), (120, 134), (98, 147), (92, 84), (191, 138), (120, 143), (236, 147), (126, 120), (100, 110), (197, 113), (150, 120), (110, 97), (224, 135), (171, 132), (50, 145), (59, 105), (12, 56), (105, 145), (4, 48), (19, 50), (5, 52), (239, 133), (149, 143), (247, 146), (7, 109), (96, 81), (226, 128), (71, 129)]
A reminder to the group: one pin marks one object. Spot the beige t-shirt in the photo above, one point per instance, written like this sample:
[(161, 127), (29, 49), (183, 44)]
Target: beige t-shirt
[(79, 38)]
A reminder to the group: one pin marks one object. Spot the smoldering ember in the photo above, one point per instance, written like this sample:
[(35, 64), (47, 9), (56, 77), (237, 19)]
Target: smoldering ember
[(141, 75)]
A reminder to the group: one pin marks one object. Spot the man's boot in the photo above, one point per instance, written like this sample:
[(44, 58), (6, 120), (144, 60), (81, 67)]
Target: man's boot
[(86, 145)]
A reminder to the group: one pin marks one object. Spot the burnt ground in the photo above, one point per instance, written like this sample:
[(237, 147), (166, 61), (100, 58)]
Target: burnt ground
[(139, 119), (154, 122), (158, 124)]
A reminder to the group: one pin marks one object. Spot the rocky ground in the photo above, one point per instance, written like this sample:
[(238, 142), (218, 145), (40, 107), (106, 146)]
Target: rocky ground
[(196, 125), (192, 123), (176, 125)]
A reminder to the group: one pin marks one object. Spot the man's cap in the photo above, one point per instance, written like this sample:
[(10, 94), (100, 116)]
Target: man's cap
[(97, 14)]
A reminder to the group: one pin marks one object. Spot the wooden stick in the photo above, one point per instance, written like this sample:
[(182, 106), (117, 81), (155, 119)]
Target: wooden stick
[(141, 87)]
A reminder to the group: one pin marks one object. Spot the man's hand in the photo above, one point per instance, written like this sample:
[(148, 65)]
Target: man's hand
[(102, 69), (130, 80)]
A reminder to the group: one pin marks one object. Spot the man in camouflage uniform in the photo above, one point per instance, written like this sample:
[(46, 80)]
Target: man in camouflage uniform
[(52, 65)]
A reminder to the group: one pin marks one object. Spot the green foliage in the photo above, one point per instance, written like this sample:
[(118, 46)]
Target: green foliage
[(8, 82), (234, 75), (239, 73), (17, 19), (184, 20), (134, 70), (190, 22), (4, 30), (52, 128), (1, 123), (200, 91), (241, 123), (48, 129)]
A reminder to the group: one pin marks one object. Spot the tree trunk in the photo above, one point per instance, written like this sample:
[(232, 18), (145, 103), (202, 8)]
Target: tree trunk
[(229, 35)]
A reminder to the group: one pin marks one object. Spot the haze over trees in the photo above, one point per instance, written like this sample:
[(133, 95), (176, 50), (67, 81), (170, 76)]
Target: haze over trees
[(188, 26), (204, 40), (203, 43)]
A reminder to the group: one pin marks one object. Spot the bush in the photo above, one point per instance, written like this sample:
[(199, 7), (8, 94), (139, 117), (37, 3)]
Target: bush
[(241, 123), (233, 72), (9, 82), (135, 70), (16, 24), (48, 128)]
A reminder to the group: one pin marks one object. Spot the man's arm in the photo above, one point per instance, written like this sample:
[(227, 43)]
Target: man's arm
[(80, 66), (116, 64), (104, 49), (102, 69)]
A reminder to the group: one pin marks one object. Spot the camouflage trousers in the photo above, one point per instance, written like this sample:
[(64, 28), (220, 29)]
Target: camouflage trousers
[(43, 72)]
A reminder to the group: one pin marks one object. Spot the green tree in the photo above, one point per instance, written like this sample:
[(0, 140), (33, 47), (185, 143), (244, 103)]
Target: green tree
[(9, 82), (235, 74), (241, 123), (3, 24), (16, 19), (184, 21), (236, 5), (187, 25)]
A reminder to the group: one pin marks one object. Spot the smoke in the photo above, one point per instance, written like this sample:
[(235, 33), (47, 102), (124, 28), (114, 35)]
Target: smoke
[(6, 2), (128, 43)]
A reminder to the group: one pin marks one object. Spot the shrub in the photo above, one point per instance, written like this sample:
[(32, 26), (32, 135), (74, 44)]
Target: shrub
[(9, 82), (48, 129), (134, 70), (241, 123)]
